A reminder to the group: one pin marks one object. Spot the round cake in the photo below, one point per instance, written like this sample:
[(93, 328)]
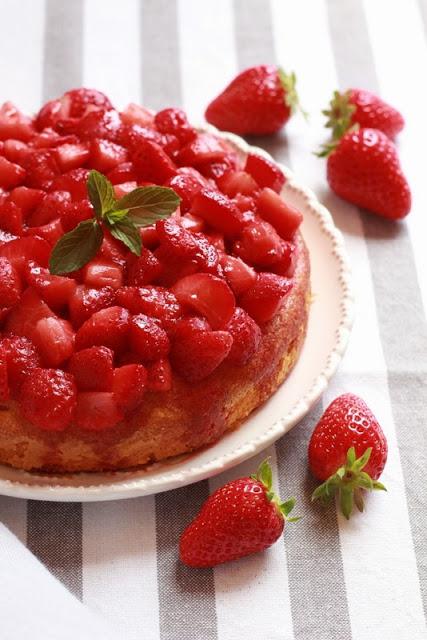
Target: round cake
[(154, 285)]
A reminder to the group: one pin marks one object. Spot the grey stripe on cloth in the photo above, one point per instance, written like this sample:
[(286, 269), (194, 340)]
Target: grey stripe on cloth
[(423, 11), (160, 54), (54, 530), (54, 535), (402, 324), (63, 47), (305, 548), (187, 607), (319, 606), (186, 596)]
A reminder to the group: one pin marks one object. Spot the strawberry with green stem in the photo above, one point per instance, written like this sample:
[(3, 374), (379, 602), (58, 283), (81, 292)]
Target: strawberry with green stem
[(244, 516), (348, 452)]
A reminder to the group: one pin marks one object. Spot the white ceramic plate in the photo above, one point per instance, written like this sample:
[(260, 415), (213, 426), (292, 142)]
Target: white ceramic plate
[(328, 331)]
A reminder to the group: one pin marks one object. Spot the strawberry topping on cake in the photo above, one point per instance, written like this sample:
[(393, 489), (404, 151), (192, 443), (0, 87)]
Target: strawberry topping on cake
[(134, 251)]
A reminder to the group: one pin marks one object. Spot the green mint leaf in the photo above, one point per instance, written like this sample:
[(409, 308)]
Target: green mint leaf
[(101, 193), (146, 205), (76, 248), (115, 216), (125, 231)]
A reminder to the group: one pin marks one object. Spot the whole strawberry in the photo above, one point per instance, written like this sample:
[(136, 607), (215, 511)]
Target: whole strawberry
[(259, 101), (364, 168), (242, 517), (348, 451), (358, 106)]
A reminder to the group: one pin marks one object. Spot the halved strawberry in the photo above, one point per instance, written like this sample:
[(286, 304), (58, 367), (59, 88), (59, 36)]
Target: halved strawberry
[(74, 182), (21, 357), (235, 182), (102, 273), (11, 218), (21, 250), (85, 302), (133, 136), (135, 114), (13, 124), (143, 269), (174, 121), (82, 100), (129, 386), (246, 336), (244, 203), (124, 188), (95, 124), (48, 399), (50, 138), (24, 316), (112, 250), (147, 338), (215, 169), (218, 211), (11, 175), (239, 275), (51, 112), (10, 283), (54, 339), (26, 199), (54, 205), (122, 173), (282, 216), (203, 148), (16, 151), (105, 155), (42, 168), (75, 213), (57, 291), (160, 375), (108, 327), (71, 156), (149, 236), (97, 410), (192, 223), (51, 232), (265, 172), (156, 302), (187, 183), (197, 352), (152, 163), (93, 369), (208, 295), (263, 300), (259, 244)]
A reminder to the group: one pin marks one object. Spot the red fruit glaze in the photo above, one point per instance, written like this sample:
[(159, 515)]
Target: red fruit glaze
[(48, 399), (92, 369), (4, 378), (208, 295), (160, 376), (129, 386), (246, 336), (10, 283), (21, 358), (97, 410), (263, 300)]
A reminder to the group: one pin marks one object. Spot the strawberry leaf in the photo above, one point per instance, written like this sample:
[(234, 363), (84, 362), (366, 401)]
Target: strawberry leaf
[(76, 248), (101, 193), (125, 231), (146, 205)]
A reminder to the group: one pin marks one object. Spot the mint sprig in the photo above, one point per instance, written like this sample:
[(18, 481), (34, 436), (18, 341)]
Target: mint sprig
[(140, 208)]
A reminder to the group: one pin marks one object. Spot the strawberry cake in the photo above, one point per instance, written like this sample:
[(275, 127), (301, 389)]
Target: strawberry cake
[(154, 285)]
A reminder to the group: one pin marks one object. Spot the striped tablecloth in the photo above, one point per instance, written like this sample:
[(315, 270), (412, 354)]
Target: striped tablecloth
[(327, 579)]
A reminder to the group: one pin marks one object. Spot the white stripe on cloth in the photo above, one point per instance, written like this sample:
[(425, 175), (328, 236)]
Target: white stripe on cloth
[(373, 565), (21, 53), (119, 565), (395, 50), (242, 586), (112, 56)]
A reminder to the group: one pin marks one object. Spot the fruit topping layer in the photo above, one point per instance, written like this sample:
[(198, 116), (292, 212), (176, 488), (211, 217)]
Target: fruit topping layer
[(133, 249)]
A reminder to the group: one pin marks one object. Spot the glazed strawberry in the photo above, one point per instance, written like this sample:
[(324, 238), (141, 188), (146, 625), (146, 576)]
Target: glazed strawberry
[(124, 172), (75, 213), (10, 283), (362, 107), (218, 211), (102, 273), (22, 250), (208, 295), (71, 156), (11, 218), (13, 124), (259, 244), (97, 410), (4, 378), (129, 386), (259, 101), (152, 164), (81, 99), (95, 124), (56, 291), (85, 302), (263, 300), (285, 218), (42, 168), (54, 339), (108, 328), (11, 175), (24, 316), (52, 206), (48, 399), (156, 302), (74, 182), (264, 172), (215, 169), (241, 518), (197, 351), (234, 182), (26, 199), (174, 121), (187, 182), (364, 168), (239, 275), (203, 148), (147, 338), (16, 151), (160, 375), (136, 114), (143, 269), (105, 155), (246, 336), (92, 369), (348, 451), (21, 357)]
